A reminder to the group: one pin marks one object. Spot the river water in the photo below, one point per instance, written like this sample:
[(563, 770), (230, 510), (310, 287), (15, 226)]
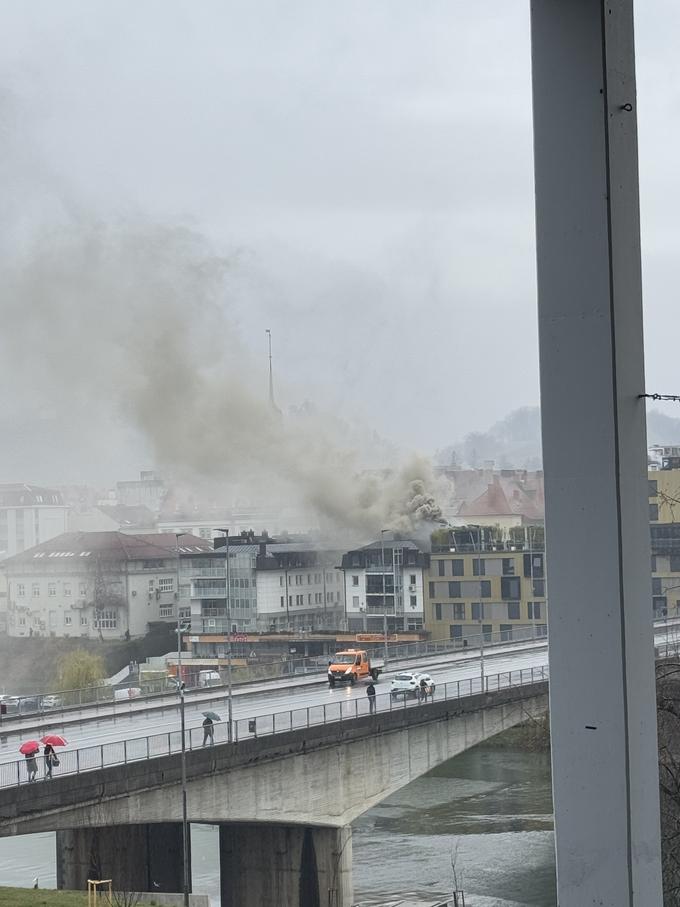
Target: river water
[(490, 809)]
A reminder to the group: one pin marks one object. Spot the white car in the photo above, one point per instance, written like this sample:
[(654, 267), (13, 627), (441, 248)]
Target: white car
[(50, 702), (409, 683)]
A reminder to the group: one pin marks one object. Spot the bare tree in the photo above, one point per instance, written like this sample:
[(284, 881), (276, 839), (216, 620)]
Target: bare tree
[(668, 707)]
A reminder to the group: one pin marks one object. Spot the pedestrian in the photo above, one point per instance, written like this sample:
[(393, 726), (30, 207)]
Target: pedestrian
[(50, 759), (370, 692), (423, 689), (31, 766), (208, 732)]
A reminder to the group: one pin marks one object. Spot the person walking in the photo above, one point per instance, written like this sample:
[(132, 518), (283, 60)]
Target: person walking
[(423, 690), (31, 766), (208, 732), (50, 759), (370, 692)]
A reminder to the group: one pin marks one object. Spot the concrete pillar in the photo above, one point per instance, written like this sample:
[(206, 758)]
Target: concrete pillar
[(602, 703), (135, 857), (295, 865)]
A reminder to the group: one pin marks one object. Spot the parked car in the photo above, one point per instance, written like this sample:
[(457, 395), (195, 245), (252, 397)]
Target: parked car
[(408, 683), (29, 704), (51, 702)]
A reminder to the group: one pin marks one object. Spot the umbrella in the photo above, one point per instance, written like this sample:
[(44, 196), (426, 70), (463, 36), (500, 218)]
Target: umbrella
[(29, 748), (213, 716), (54, 740)]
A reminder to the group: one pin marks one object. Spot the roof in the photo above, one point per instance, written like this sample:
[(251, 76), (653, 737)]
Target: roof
[(118, 546), (19, 495), (502, 495)]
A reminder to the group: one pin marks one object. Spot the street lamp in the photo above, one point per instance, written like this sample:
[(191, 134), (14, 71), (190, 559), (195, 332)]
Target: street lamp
[(382, 561), (180, 689), (228, 607)]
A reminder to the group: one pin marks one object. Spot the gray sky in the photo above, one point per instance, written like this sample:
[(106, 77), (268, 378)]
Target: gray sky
[(366, 165)]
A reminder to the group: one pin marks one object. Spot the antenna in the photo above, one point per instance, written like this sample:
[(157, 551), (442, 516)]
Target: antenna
[(271, 374)]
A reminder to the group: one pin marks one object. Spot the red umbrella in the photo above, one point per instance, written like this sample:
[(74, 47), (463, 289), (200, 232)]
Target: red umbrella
[(29, 748), (54, 740)]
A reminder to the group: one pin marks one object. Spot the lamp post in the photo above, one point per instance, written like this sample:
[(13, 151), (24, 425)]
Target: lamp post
[(180, 689), (228, 607), (382, 562)]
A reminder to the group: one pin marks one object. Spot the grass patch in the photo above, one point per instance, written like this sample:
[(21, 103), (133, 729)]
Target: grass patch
[(41, 897)]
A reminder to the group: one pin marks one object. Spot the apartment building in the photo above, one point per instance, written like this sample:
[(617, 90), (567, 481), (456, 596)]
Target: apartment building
[(273, 586), (95, 584), (384, 584), (476, 584), (29, 514)]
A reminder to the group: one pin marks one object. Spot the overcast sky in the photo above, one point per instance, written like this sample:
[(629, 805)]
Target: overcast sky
[(368, 164)]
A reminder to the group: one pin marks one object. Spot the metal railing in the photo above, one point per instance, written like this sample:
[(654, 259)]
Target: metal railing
[(105, 755)]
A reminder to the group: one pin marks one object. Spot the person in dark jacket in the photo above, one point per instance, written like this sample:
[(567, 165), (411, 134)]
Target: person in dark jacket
[(50, 756), (370, 692), (31, 766), (208, 732)]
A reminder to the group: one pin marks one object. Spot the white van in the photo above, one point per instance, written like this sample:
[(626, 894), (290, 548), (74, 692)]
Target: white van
[(209, 679)]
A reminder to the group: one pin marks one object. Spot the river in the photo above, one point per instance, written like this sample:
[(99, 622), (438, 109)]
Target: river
[(491, 807)]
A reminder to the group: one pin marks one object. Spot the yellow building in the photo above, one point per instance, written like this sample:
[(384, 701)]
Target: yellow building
[(476, 584), (664, 495)]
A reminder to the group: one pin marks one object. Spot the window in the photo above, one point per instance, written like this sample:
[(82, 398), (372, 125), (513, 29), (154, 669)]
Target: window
[(355, 602), (82, 589), (506, 632), (485, 588), (513, 610), (205, 533), (412, 580), (653, 512), (52, 589), (441, 565), (653, 563), (67, 589), (414, 601), (35, 590), (167, 584), (108, 620), (652, 488), (459, 611), (21, 590), (152, 585), (309, 598), (317, 577), (282, 601), (478, 567), (477, 611), (675, 563), (539, 588), (534, 610), (165, 611), (656, 586), (290, 601), (318, 598), (437, 611), (454, 589), (68, 620), (355, 580), (510, 587), (431, 590), (458, 567), (508, 566), (83, 621), (456, 631)]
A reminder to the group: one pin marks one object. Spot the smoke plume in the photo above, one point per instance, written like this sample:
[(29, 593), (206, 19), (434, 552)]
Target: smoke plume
[(130, 324)]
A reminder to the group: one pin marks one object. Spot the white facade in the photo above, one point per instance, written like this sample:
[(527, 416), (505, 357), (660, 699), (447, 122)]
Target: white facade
[(300, 598), (29, 516)]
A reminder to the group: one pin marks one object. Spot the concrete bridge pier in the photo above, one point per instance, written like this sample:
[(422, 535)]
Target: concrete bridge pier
[(136, 857), (296, 865)]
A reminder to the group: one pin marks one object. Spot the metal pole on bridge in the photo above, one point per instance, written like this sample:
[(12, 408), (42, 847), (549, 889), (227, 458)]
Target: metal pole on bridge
[(228, 609), (180, 688)]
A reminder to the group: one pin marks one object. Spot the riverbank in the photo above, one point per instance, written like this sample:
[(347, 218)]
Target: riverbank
[(30, 897)]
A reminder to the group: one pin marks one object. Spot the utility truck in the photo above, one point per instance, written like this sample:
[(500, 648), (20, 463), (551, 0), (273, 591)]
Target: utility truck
[(352, 665)]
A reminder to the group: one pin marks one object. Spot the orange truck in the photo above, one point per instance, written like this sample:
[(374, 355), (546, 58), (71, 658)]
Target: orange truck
[(353, 665)]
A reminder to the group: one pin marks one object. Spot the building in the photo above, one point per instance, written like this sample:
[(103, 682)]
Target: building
[(273, 586), (384, 586), (477, 584), (495, 497), (29, 515), (96, 584), (147, 491)]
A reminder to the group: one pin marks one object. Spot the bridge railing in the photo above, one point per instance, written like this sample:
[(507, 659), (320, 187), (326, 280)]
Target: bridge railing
[(104, 755)]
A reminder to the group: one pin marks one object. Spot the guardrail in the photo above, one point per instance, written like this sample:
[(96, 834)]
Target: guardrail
[(94, 758)]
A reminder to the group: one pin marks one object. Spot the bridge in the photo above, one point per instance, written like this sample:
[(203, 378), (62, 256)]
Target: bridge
[(284, 792)]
